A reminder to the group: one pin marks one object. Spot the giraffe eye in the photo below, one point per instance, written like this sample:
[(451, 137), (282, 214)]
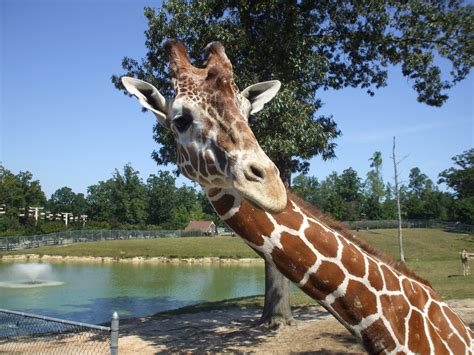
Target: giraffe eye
[(182, 122)]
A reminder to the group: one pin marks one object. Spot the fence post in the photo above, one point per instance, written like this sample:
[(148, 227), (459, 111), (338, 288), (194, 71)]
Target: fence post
[(114, 332)]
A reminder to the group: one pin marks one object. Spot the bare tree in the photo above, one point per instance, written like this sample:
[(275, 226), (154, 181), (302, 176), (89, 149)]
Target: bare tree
[(397, 191)]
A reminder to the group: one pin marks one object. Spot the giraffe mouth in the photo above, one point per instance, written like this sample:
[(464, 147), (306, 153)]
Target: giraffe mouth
[(262, 186), (265, 200)]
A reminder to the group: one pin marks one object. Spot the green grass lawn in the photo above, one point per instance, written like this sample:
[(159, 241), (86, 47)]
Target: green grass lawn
[(189, 247), (431, 253)]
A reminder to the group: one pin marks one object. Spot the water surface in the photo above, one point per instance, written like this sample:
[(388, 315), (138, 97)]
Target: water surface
[(92, 292)]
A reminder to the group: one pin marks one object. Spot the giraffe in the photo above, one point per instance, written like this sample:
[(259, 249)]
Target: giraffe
[(385, 306), (465, 256)]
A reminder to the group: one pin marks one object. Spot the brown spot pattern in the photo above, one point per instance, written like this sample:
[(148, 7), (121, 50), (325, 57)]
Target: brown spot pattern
[(391, 280), (456, 322), (250, 223), (357, 303), (224, 204), (289, 218), (353, 260), (294, 260), (376, 338), (374, 276), (395, 310), (323, 241), (417, 296), (439, 347), (417, 339), (327, 278)]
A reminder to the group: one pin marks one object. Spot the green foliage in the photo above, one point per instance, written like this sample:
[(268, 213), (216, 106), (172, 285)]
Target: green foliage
[(310, 46), (126, 202), (18, 192), (461, 180), (128, 196), (339, 195), (161, 192), (461, 177), (346, 198), (122, 198), (65, 200), (375, 188)]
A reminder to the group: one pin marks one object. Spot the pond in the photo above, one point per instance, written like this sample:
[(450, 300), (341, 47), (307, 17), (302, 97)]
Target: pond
[(92, 292)]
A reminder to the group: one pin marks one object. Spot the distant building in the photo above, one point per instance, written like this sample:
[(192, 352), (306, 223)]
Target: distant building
[(204, 227)]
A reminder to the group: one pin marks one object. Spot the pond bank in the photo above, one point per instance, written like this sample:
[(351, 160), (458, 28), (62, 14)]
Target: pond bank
[(133, 260)]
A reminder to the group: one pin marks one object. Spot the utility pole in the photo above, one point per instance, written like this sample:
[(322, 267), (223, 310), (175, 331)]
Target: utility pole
[(35, 212), (66, 216), (83, 219), (399, 213)]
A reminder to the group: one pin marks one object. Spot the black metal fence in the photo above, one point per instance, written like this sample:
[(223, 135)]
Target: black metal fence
[(80, 236), (92, 235), (411, 223), (24, 333)]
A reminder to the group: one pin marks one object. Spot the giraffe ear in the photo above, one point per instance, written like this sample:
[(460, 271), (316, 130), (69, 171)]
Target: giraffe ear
[(261, 93), (148, 96)]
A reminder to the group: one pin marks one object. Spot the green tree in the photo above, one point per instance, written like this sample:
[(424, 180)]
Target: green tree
[(461, 180), (208, 210), (121, 199), (79, 205), (312, 45), (461, 177), (99, 201), (389, 205), (339, 195), (62, 200), (307, 187), (416, 190), (128, 196), (11, 192), (17, 192), (349, 187), (161, 197), (66, 200), (423, 199), (374, 188)]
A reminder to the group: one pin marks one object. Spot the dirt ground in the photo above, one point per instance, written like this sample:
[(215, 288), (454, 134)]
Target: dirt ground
[(234, 330)]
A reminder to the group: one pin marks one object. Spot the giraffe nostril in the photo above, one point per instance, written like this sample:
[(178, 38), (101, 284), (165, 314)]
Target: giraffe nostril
[(254, 172)]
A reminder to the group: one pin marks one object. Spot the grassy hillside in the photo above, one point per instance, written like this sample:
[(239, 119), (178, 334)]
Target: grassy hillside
[(431, 253)]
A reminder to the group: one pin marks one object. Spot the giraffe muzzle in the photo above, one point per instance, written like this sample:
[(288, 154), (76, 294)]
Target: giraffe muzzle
[(261, 184)]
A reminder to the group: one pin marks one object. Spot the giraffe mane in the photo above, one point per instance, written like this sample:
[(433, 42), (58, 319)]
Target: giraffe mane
[(346, 233)]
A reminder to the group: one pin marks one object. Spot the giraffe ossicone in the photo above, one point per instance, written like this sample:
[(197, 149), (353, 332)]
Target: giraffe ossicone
[(386, 307)]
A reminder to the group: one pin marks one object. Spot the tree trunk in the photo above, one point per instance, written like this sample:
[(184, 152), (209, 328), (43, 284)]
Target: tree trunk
[(399, 212), (276, 308)]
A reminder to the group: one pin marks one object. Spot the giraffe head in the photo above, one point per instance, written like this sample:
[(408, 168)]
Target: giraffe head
[(208, 117)]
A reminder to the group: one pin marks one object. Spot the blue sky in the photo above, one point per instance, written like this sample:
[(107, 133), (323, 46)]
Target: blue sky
[(62, 119)]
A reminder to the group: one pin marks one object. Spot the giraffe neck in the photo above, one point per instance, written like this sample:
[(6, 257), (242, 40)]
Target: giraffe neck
[(385, 309)]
